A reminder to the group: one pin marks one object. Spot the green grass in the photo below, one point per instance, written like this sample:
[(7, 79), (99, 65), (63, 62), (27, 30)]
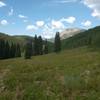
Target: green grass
[(70, 75)]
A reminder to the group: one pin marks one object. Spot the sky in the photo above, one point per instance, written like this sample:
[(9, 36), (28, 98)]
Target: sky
[(46, 17)]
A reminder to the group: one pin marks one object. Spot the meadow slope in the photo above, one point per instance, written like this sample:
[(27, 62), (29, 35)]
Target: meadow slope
[(70, 75)]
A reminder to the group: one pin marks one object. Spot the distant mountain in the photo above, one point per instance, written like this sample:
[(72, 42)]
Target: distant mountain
[(21, 39), (70, 38), (70, 32), (90, 37), (3, 35)]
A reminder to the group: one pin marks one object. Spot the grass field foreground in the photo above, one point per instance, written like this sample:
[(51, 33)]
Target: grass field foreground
[(70, 75)]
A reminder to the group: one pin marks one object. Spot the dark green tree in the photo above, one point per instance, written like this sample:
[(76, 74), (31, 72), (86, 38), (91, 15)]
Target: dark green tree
[(45, 47), (7, 50), (12, 50), (28, 50), (35, 45), (2, 49), (18, 51), (40, 45), (57, 43)]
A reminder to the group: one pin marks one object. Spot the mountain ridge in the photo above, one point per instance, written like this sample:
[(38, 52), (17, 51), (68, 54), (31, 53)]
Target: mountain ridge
[(69, 32)]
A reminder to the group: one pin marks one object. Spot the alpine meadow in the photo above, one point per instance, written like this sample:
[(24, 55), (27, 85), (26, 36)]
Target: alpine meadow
[(49, 50)]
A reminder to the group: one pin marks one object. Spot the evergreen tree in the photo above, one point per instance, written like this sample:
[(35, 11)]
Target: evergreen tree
[(40, 45), (18, 51), (2, 46), (2, 49), (45, 47), (7, 50), (35, 45), (12, 50), (57, 43), (28, 50)]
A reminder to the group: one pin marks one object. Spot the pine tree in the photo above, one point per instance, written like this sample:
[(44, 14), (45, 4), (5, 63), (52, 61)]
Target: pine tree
[(2, 46), (57, 43), (45, 47), (13, 50), (7, 50), (28, 50), (35, 45), (2, 49), (40, 45), (18, 51)]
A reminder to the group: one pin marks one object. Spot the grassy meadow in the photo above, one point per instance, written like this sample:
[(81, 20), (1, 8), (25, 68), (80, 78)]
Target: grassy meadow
[(69, 75)]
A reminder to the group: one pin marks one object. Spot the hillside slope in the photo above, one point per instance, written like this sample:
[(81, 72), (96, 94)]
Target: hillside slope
[(22, 39), (90, 37), (70, 75)]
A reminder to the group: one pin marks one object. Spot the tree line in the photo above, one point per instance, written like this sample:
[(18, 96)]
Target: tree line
[(9, 50), (38, 46)]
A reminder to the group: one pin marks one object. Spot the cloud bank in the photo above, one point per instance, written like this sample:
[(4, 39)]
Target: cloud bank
[(86, 23), (2, 4), (94, 5)]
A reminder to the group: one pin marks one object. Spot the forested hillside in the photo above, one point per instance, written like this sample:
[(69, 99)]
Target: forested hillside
[(90, 37), (22, 40)]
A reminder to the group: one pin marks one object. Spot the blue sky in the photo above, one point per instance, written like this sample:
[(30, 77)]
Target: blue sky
[(45, 17)]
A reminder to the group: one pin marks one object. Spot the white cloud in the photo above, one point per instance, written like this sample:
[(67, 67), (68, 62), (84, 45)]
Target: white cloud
[(87, 23), (4, 22), (22, 16), (69, 20), (48, 28), (51, 28), (11, 12), (96, 13), (2, 4), (57, 24), (40, 23), (31, 28), (94, 5), (47, 31)]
